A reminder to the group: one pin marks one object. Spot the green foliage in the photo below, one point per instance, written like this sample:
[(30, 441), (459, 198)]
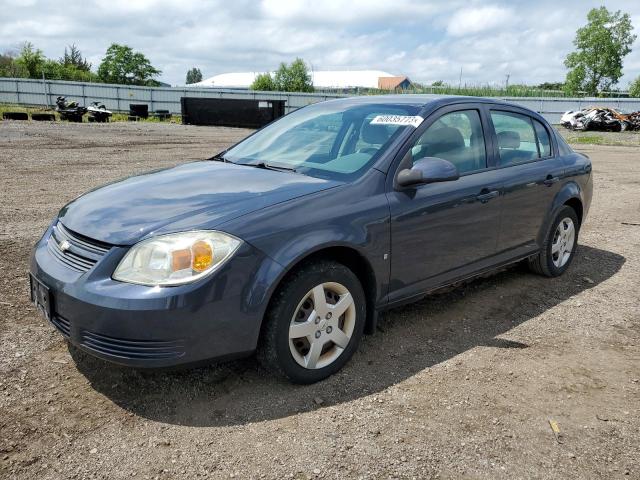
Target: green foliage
[(294, 77), (123, 66), (551, 86), (9, 67), (32, 60), (73, 59), (31, 63), (438, 83), (194, 76), (264, 83), (477, 90), (601, 45), (634, 88), (54, 70)]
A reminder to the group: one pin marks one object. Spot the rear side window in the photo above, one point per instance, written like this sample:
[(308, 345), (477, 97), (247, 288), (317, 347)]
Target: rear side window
[(516, 138), (456, 137), (563, 148), (544, 144)]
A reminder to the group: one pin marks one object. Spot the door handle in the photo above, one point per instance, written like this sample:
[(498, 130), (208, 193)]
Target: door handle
[(485, 197), (550, 180)]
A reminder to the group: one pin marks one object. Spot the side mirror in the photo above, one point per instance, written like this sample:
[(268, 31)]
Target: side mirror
[(428, 170)]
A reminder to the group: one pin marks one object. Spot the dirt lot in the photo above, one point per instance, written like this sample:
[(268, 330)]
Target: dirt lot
[(461, 385)]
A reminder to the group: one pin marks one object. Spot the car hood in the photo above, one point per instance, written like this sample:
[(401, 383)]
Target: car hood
[(190, 196)]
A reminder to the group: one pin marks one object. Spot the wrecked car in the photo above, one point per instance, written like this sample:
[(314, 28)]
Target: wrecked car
[(600, 119)]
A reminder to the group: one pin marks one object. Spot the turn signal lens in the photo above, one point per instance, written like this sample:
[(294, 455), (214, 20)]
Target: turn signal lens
[(202, 256)]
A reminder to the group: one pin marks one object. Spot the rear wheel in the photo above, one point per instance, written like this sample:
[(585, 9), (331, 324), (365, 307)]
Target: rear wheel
[(314, 324), (560, 245)]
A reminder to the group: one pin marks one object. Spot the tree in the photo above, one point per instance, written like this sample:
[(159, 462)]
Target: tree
[(551, 86), (294, 77), (194, 75), (263, 82), (32, 60), (31, 63), (73, 58), (601, 45), (122, 65), (9, 67), (634, 88)]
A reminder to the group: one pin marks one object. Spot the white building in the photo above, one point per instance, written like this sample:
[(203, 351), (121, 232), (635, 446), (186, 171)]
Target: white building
[(330, 79)]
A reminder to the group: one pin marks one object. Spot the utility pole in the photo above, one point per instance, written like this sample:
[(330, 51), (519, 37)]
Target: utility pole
[(460, 81), (506, 83)]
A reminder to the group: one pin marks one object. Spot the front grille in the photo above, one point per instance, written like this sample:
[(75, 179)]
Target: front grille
[(134, 349), (62, 324), (81, 253)]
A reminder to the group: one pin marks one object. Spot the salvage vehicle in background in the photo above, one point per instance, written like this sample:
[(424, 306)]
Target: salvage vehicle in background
[(601, 119), (292, 241)]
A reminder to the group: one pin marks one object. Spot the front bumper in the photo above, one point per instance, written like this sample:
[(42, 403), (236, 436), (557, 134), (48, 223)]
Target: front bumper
[(140, 326)]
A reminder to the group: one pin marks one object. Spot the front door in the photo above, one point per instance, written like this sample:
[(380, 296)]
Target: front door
[(442, 231)]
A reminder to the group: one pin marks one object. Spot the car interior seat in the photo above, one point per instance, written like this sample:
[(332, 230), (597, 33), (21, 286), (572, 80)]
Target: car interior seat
[(447, 143), (374, 135), (509, 148)]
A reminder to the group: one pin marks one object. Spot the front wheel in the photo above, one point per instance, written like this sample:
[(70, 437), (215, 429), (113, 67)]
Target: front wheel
[(314, 324), (560, 244)]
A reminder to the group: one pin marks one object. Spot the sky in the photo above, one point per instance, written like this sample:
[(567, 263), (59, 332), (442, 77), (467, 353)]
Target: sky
[(425, 40)]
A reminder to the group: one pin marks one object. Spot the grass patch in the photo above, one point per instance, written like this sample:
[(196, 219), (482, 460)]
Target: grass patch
[(595, 140), (124, 117), (7, 107), (624, 139)]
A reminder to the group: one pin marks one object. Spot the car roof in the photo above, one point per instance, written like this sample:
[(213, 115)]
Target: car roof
[(419, 100), (424, 100)]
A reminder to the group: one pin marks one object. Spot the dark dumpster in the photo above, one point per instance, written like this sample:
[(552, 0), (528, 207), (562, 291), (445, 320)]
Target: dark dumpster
[(225, 112)]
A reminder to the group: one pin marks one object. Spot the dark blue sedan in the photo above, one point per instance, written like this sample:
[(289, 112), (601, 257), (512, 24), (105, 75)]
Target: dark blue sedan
[(292, 241)]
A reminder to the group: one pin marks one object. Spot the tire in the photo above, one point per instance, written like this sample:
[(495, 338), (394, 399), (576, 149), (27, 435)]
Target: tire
[(557, 252), (294, 306)]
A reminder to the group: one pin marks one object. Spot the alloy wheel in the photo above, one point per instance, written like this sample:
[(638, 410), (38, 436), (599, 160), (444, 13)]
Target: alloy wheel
[(322, 325), (563, 242)]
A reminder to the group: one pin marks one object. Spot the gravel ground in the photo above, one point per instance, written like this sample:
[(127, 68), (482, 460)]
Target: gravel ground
[(462, 384)]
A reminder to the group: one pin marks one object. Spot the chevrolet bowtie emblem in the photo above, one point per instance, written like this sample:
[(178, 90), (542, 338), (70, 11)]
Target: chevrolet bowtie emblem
[(64, 245)]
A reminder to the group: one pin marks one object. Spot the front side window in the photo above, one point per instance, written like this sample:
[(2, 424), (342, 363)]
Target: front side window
[(516, 138), (334, 140), (456, 137)]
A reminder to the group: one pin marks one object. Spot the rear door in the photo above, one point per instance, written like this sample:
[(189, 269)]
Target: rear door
[(530, 172), (441, 231)]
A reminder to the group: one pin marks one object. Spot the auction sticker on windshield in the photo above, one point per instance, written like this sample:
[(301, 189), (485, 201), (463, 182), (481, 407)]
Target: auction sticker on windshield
[(413, 120)]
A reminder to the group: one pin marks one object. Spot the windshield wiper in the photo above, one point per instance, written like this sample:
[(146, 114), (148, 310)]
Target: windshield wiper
[(269, 166), (219, 157)]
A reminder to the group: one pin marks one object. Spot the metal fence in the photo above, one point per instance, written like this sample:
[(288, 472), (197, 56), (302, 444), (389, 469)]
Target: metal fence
[(30, 92), (21, 91)]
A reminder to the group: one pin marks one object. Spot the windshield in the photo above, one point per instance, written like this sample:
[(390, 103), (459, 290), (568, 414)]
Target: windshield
[(334, 140)]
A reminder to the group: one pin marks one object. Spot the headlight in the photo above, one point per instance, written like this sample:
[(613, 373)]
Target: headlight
[(176, 258)]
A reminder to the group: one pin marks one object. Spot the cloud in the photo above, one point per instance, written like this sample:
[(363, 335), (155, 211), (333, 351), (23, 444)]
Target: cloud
[(427, 40), (469, 21), (339, 12)]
